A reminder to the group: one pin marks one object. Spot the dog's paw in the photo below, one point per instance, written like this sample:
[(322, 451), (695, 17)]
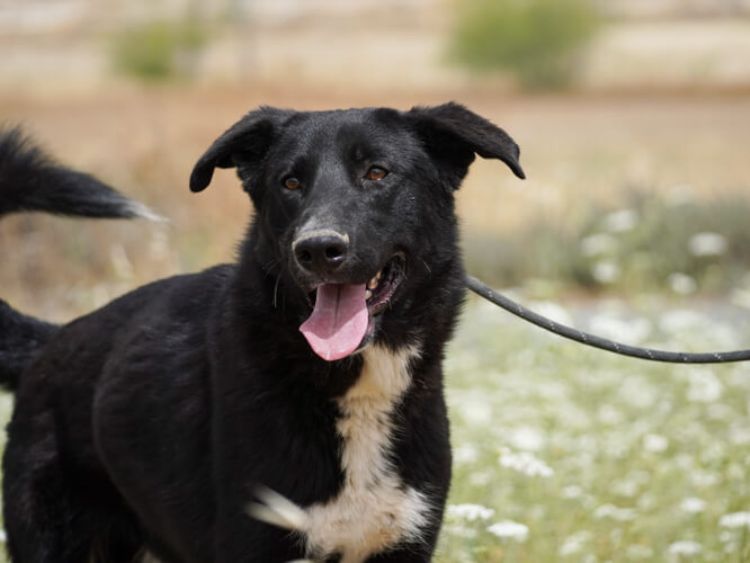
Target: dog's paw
[(274, 509)]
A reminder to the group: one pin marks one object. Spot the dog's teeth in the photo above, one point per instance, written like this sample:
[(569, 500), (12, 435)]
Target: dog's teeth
[(368, 294), (373, 283)]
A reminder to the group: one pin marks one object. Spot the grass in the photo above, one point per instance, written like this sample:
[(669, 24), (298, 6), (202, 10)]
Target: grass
[(585, 456)]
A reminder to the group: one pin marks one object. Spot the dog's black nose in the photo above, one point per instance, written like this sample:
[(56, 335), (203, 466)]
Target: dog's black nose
[(322, 252)]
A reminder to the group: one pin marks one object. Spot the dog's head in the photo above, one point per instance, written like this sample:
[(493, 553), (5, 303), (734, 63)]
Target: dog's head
[(354, 208)]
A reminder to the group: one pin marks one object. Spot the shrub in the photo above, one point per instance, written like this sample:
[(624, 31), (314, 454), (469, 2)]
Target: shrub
[(537, 40), (649, 243), (157, 51)]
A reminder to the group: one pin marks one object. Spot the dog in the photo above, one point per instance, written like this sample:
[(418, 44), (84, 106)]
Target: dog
[(289, 406)]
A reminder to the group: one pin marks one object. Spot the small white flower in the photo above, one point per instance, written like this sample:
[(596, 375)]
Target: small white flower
[(469, 512), (655, 443), (621, 328), (693, 505), (465, 454), (682, 283), (704, 386), (621, 221), (572, 491), (525, 462), (735, 520), (507, 529), (527, 438), (707, 244), (685, 548), (605, 271), (615, 513), (597, 244), (574, 543)]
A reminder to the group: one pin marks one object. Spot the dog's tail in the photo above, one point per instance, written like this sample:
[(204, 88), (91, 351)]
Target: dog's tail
[(32, 181)]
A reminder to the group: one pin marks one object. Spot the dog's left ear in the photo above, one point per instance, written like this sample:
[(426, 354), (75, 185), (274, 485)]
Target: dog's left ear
[(244, 144), (453, 135)]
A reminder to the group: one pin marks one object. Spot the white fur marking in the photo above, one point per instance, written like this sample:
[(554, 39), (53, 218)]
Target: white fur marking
[(373, 511)]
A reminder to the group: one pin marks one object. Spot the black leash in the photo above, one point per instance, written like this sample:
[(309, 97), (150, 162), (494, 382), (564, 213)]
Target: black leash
[(597, 341)]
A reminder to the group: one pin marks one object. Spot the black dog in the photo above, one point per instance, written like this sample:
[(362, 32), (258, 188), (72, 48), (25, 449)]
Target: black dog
[(287, 406)]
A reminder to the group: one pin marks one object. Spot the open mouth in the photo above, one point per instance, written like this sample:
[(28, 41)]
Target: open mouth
[(383, 285), (342, 316)]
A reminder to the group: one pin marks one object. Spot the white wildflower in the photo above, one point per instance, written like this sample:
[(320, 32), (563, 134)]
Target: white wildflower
[(527, 438), (574, 543), (598, 244), (693, 505), (469, 512), (655, 443), (572, 492), (704, 386), (707, 244), (525, 462), (617, 327), (605, 271), (507, 529), (685, 548), (465, 454), (621, 221), (615, 513), (704, 479), (682, 283), (735, 520)]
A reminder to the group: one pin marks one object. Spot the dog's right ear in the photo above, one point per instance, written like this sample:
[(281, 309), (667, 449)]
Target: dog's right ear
[(244, 143)]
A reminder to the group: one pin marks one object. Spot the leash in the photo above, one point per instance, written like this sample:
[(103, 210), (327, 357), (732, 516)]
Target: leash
[(597, 341)]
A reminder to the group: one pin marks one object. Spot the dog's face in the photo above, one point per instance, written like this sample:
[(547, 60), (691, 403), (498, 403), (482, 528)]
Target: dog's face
[(354, 208)]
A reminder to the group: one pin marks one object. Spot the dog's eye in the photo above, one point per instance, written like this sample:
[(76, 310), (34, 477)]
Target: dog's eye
[(376, 173), (292, 183)]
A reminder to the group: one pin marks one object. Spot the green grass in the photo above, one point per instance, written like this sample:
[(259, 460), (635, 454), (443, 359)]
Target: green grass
[(602, 458)]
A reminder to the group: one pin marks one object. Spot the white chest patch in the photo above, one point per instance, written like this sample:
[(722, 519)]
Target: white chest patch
[(373, 510)]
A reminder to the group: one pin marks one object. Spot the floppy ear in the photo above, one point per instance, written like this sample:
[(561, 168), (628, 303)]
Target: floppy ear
[(453, 135), (246, 142)]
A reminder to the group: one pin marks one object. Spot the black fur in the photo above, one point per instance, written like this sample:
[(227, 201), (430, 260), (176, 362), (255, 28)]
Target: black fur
[(31, 181), (150, 422)]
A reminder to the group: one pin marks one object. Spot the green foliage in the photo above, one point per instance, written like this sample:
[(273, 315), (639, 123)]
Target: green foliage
[(158, 51), (647, 244), (537, 40)]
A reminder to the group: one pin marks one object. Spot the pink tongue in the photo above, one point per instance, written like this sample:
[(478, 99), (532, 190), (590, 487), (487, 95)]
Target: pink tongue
[(339, 322)]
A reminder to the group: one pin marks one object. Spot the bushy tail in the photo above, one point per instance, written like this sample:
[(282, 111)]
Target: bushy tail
[(31, 181)]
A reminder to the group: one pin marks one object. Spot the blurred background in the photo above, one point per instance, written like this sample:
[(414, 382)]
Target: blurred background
[(633, 117)]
